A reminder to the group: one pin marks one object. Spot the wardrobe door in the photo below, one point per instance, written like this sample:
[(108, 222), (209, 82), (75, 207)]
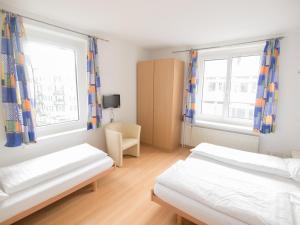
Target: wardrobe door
[(163, 91), (177, 103), (145, 71)]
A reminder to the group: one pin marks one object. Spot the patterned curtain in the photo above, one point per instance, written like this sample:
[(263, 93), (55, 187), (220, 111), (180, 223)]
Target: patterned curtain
[(18, 116), (94, 95), (190, 92), (267, 89)]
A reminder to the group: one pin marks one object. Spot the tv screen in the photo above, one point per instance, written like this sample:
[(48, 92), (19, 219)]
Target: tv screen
[(111, 101)]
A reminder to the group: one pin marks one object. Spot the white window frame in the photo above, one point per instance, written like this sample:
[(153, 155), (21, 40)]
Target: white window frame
[(37, 33), (223, 54)]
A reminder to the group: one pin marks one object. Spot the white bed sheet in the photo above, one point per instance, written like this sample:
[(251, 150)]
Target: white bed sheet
[(270, 182), (30, 197), (194, 208)]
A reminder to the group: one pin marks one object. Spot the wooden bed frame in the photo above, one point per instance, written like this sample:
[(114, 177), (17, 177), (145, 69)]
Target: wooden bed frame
[(92, 181), (179, 213)]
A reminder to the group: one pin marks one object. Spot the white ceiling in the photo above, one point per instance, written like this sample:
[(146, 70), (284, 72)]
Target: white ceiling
[(166, 23)]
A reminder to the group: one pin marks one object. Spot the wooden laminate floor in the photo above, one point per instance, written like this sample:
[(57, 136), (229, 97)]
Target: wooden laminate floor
[(123, 196)]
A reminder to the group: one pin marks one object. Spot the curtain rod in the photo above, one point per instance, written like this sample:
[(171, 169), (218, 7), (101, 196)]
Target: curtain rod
[(226, 45), (57, 26)]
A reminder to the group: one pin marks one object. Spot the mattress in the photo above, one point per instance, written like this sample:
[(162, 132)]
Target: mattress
[(234, 194), (26, 174), (23, 200)]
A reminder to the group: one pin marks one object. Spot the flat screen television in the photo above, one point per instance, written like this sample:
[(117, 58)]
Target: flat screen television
[(111, 101)]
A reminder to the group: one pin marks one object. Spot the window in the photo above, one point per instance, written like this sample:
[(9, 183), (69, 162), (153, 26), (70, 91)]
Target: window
[(228, 85), (56, 68), (54, 83)]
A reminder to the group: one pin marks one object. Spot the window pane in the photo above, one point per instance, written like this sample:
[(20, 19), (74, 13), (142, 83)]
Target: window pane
[(245, 66), (212, 108), (54, 80), (214, 86), (241, 111), (245, 71)]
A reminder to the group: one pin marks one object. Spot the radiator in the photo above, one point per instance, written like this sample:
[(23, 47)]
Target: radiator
[(195, 135)]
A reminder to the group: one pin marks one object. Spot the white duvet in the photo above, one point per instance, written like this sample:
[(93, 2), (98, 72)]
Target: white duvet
[(249, 197), (29, 173), (3, 195)]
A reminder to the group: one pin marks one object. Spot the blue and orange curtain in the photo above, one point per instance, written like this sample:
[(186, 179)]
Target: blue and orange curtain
[(267, 89), (94, 85), (191, 89), (16, 102)]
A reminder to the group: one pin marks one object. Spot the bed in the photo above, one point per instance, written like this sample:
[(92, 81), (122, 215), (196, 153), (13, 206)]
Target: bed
[(217, 185), (34, 184)]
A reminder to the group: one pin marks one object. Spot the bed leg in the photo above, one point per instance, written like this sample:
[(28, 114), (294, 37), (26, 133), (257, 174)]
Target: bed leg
[(178, 220), (94, 186)]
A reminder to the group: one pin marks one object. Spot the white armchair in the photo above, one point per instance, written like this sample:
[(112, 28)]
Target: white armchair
[(122, 138)]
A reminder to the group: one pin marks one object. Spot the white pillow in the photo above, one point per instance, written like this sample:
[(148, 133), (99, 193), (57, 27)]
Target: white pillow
[(3, 196), (248, 160), (294, 168)]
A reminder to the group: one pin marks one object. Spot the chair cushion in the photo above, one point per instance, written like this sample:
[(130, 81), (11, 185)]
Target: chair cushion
[(128, 142)]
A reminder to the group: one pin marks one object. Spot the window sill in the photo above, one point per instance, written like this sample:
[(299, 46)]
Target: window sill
[(226, 127), (45, 137)]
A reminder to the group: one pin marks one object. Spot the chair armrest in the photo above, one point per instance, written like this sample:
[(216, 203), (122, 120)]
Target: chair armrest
[(113, 140), (132, 130)]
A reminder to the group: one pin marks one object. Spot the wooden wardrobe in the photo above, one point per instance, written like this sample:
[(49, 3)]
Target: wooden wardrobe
[(159, 102)]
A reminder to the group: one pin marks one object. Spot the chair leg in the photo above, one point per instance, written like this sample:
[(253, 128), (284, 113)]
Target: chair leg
[(120, 163), (94, 186), (117, 156), (178, 220), (119, 160), (138, 150)]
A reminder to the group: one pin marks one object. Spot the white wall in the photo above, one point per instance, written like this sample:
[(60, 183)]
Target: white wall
[(287, 135), (118, 75)]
